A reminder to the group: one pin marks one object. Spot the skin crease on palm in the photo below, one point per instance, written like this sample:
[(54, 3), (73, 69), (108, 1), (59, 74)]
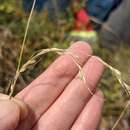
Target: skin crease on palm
[(58, 99)]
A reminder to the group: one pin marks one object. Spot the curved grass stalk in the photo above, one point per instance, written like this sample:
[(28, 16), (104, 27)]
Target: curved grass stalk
[(33, 59), (121, 115), (21, 51), (118, 76)]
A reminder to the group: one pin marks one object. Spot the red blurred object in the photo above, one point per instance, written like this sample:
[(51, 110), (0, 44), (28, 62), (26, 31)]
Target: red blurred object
[(82, 21)]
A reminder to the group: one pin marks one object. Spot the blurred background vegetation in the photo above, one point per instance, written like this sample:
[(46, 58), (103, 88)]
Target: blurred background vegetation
[(45, 33)]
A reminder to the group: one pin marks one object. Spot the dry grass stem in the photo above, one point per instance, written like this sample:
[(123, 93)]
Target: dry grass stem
[(121, 115), (81, 73), (118, 76), (33, 59), (22, 50)]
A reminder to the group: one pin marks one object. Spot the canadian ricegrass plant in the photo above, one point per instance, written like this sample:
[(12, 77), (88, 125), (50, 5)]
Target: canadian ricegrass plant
[(34, 59)]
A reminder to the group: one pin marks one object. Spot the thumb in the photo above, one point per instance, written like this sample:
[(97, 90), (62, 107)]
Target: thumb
[(11, 112)]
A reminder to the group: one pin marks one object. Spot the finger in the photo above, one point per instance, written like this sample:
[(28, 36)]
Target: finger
[(11, 112), (9, 115), (41, 93), (90, 117), (65, 110)]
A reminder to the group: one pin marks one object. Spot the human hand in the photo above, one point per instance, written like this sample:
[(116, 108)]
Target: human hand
[(58, 99)]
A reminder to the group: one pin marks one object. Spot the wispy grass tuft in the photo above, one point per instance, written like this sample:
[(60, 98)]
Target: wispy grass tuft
[(118, 76), (33, 59)]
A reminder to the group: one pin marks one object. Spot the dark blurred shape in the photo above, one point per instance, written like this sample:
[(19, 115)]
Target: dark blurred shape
[(116, 30), (27, 4), (46, 4), (101, 9), (63, 4)]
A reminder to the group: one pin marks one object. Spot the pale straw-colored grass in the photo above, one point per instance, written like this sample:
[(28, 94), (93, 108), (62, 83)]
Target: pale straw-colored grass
[(33, 59)]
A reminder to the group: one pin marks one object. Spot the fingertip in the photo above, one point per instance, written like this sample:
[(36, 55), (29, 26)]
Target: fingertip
[(83, 46), (98, 60), (98, 63), (99, 95)]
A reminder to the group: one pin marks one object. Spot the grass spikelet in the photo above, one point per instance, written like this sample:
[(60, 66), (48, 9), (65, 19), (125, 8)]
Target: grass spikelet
[(34, 58), (118, 76), (31, 61)]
